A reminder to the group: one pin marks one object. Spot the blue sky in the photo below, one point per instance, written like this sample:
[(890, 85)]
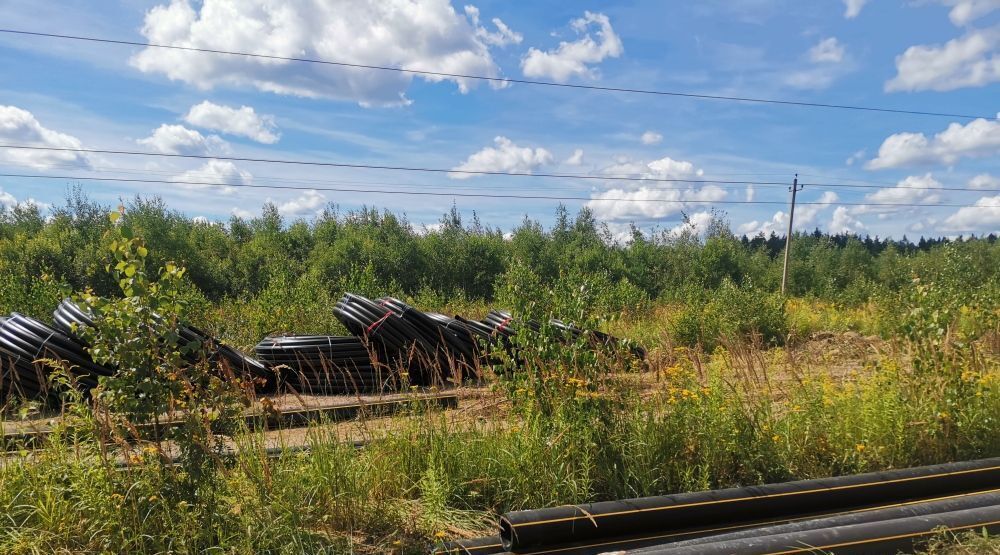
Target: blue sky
[(930, 55)]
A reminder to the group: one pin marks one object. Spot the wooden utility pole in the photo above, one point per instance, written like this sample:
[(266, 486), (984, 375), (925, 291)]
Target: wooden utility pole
[(788, 237)]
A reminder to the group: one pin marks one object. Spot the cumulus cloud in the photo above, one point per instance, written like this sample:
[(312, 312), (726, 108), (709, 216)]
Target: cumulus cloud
[(972, 60), (242, 121), (307, 204), (985, 181), (505, 156), (651, 138), (426, 35), (664, 168), (649, 202), (18, 126), (576, 159), (503, 36), (177, 139), (977, 138), (983, 216), (750, 193), (696, 224), (913, 189), (574, 59), (805, 217), (844, 222), (222, 172), (853, 7), (964, 12), (242, 213), (9, 201), (828, 50)]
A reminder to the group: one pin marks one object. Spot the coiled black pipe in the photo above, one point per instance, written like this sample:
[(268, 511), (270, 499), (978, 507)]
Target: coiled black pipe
[(30, 350), (402, 343), (578, 523), (869, 538), (326, 364), (69, 317)]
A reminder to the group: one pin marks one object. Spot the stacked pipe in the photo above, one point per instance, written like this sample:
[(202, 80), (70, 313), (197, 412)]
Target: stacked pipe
[(880, 512), (326, 364), (397, 343), (70, 317), (30, 350)]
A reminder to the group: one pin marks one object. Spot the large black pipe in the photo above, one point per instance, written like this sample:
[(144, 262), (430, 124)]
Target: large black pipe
[(947, 504), (870, 538), (579, 523)]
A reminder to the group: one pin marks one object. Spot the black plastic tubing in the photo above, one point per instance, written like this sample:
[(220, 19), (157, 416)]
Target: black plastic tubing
[(578, 523), (870, 538)]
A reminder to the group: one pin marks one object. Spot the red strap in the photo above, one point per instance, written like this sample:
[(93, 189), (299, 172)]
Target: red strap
[(377, 322), (504, 323)]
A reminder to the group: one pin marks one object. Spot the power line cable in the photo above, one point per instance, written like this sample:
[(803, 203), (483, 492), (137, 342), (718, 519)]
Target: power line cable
[(469, 172), (440, 74), (479, 195)]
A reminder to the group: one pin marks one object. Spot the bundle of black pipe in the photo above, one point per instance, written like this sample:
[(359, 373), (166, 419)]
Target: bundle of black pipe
[(30, 350), (326, 364), (572, 524), (70, 317), (398, 343)]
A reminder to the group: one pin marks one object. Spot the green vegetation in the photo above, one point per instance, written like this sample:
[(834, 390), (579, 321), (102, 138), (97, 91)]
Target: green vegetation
[(887, 355)]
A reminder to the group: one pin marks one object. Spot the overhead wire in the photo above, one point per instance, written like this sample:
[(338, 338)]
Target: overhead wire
[(466, 194), (590, 177), (441, 74)]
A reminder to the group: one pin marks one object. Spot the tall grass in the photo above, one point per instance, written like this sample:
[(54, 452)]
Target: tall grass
[(562, 434)]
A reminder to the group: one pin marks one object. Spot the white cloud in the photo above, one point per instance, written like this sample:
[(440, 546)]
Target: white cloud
[(307, 204), (222, 172), (503, 36), (576, 159), (177, 139), (9, 201), (242, 213), (201, 220), (965, 11), (805, 218), (651, 138), (426, 35), (504, 157), (571, 59), (856, 157), (664, 168), (844, 222), (828, 61), (649, 202), (984, 216), (972, 60), (985, 181), (242, 121), (19, 126), (750, 193), (853, 8), (696, 224), (827, 51), (913, 189), (977, 138)]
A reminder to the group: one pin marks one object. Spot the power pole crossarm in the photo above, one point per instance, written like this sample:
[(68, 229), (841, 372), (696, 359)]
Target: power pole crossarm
[(788, 237)]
